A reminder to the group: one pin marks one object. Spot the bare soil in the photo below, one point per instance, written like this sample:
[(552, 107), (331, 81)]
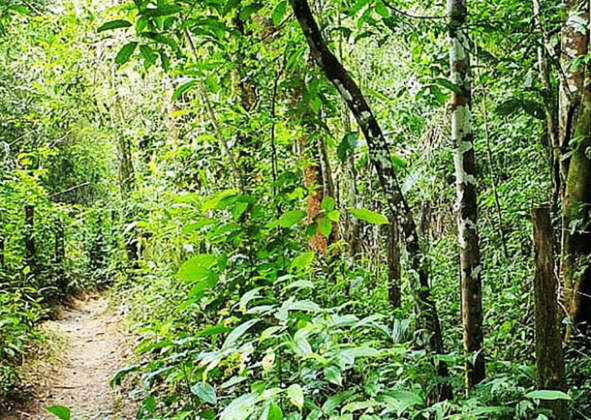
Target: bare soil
[(94, 351)]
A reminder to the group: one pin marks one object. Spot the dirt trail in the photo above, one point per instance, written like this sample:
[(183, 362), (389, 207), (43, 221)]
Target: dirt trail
[(93, 354)]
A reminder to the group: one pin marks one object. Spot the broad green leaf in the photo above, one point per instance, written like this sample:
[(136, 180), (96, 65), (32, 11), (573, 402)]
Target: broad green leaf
[(291, 218), (273, 412), (325, 227), (328, 204), (302, 261), (206, 392), (178, 92), (149, 56), (240, 408), (239, 209), (125, 53), (213, 330), (247, 297), (208, 280), (114, 24), (300, 284), (249, 10), (369, 216), (279, 12), (299, 305), (360, 4), (333, 375), (59, 411), (122, 373), (335, 401), (382, 10), (334, 215), (548, 395), (237, 333), (401, 400), (201, 260), (448, 84), (296, 395), (398, 162)]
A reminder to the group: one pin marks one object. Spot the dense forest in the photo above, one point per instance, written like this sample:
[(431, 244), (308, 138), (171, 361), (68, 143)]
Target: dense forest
[(302, 209)]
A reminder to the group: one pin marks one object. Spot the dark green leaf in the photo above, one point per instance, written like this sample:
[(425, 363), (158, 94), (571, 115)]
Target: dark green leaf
[(114, 24), (249, 10), (279, 13), (125, 53)]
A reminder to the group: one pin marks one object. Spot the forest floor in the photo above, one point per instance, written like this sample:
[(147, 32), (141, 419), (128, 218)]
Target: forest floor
[(94, 349)]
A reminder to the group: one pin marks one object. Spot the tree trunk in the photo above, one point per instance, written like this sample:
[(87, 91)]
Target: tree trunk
[(550, 105), (30, 238), (548, 342), (2, 244), (467, 215), (393, 254), (59, 256), (574, 128), (576, 238), (379, 155)]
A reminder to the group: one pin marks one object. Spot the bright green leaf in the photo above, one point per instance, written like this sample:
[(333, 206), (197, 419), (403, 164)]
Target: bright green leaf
[(302, 261), (296, 395), (291, 218), (59, 411), (369, 216), (548, 395)]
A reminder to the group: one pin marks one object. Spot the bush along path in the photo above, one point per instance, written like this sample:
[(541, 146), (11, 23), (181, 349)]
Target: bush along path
[(80, 387)]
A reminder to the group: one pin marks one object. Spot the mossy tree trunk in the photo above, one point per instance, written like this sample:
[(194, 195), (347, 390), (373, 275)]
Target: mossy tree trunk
[(574, 133)]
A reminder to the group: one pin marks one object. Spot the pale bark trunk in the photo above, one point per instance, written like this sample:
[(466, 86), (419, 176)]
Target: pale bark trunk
[(379, 155), (467, 210)]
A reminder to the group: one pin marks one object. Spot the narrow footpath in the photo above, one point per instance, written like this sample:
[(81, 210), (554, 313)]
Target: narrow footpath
[(95, 352)]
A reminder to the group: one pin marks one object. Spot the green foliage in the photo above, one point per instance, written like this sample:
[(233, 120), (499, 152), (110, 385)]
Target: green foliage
[(194, 156), (59, 411)]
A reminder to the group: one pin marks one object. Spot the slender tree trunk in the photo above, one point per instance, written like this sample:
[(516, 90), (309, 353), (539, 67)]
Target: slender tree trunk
[(393, 256), (467, 216), (574, 133), (30, 251), (2, 243), (548, 341), (59, 256), (379, 155), (550, 106)]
